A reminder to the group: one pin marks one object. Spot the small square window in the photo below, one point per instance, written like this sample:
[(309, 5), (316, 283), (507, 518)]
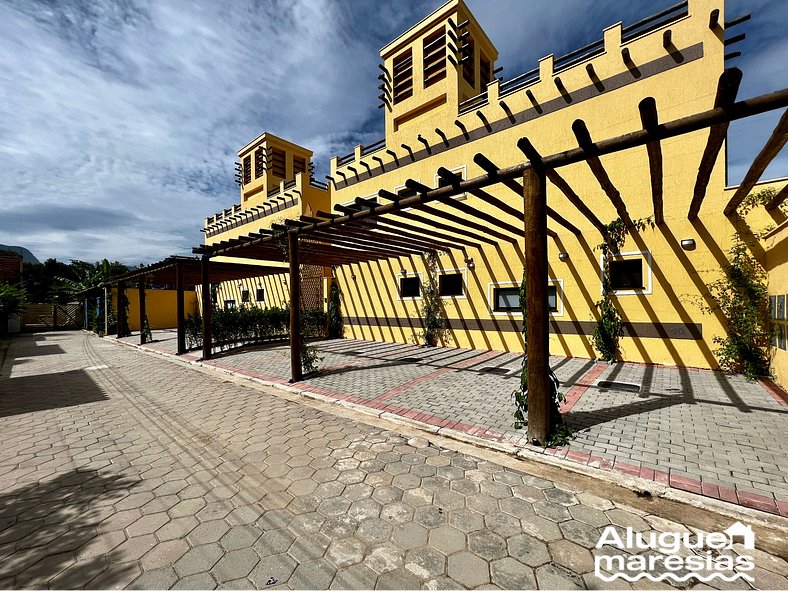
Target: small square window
[(245, 296), (626, 274), (450, 284), (773, 307), (260, 295), (409, 287), (780, 307), (229, 304)]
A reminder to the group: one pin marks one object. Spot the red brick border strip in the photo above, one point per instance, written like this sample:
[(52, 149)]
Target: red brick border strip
[(576, 392), (775, 391)]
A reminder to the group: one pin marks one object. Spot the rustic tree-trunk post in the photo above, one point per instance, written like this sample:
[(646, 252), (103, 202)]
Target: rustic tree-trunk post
[(107, 304), (141, 292), (207, 308), (539, 391), (121, 309), (181, 328), (296, 343)]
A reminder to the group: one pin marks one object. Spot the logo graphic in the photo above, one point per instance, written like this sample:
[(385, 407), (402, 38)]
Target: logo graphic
[(674, 556)]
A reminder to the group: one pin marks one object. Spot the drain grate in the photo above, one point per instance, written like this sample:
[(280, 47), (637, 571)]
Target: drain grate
[(410, 359), (626, 387), (495, 370)]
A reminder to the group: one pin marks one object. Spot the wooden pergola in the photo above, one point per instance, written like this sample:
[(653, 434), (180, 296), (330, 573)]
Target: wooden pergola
[(185, 272), (408, 222)]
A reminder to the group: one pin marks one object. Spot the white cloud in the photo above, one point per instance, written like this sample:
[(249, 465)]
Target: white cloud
[(119, 121)]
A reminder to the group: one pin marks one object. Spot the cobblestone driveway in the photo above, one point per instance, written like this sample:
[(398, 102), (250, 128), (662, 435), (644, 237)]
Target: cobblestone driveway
[(122, 469)]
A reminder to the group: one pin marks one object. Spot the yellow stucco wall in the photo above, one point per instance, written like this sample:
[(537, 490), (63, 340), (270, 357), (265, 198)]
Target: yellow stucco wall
[(776, 247), (667, 315), (160, 307)]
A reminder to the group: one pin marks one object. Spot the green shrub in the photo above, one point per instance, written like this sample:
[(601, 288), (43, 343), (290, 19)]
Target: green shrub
[(432, 314), (336, 325)]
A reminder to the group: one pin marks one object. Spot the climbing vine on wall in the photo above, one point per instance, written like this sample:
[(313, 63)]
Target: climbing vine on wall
[(741, 297), (609, 327), (336, 326), (431, 309)]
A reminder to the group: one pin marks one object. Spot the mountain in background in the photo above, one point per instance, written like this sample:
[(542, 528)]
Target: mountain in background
[(27, 256)]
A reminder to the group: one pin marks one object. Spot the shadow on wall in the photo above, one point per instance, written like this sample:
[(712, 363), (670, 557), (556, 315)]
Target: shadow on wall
[(53, 521)]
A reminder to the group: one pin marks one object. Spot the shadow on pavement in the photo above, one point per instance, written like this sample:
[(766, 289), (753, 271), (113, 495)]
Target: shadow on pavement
[(52, 527), (43, 392)]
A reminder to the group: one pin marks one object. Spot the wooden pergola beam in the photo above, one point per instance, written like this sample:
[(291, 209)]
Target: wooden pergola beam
[(367, 243), (595, 164), (777, 199), (515, 186), (527, 148), (455, 179), (650, 120), (773, 146), (727, 88)]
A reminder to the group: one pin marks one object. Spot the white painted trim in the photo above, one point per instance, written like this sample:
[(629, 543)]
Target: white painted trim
[(464, 272), (421, 286), (464, 175), (646, 255), (491, 298)]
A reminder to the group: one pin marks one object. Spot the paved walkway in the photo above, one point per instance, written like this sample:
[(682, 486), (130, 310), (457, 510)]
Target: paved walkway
[(121, 469), (696, 430)]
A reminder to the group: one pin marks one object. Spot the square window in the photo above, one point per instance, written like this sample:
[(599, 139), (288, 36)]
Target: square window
[(773, 307), (245, 296), (626, 274), (409, 287), (229, 304), (260, 295), (450, 284), (506, 299)]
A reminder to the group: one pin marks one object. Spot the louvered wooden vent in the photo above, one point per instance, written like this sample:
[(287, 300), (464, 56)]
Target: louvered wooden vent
[(403, 76), (299, 165), (434, 57), (248, 169), (469, 62), (278, 163)]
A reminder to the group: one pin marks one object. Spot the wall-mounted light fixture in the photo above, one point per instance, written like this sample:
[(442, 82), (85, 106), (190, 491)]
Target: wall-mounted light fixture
[(353, 275), (471, 265), (688, 244), (563, 256), (403, 272)]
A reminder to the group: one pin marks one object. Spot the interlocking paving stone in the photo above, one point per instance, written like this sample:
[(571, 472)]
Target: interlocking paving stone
[(218, 484)]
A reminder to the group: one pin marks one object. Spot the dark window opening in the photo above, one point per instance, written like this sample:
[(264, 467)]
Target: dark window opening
[(229, 304), (450, 285), (507, 299), (278, 168), (409, 287), (443, 182), (627, 274), (245, 296), (248, 169), (403, 76), (434, 57), (260, 295)]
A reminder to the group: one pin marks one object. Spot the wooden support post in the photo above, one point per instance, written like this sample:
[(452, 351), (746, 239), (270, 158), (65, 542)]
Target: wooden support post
[(180, 308), (296, 373), (538, 365), (650, 120), (773, 146), (121, 310), (727, 88), (207, 309), (141, 295), (107, 304)]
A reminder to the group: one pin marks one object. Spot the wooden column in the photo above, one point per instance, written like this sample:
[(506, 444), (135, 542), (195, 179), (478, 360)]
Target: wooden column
[(180, 308), (207, 308), (539, 394), (296, 343), (121, 323), (107, 304), (141, 291)]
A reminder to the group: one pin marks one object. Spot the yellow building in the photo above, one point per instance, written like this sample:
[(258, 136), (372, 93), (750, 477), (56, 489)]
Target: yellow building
[(443, 104)]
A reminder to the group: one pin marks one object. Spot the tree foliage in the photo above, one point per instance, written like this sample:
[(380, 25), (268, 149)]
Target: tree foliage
[(432, 313)]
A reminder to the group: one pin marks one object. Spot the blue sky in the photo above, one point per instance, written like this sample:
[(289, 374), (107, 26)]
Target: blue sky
[(119, 121)]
